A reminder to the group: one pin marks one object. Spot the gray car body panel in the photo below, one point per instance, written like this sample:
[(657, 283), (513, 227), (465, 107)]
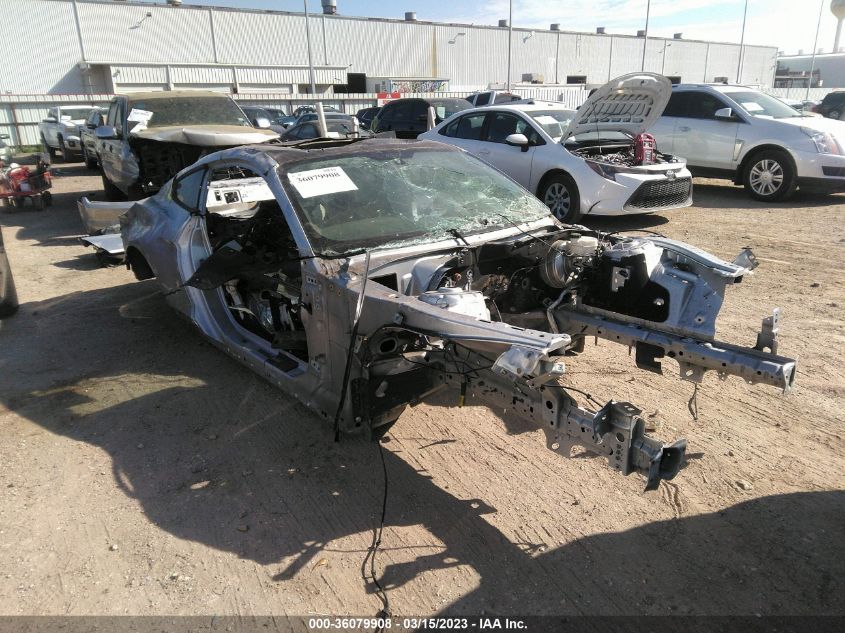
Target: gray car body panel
[(506, 365)]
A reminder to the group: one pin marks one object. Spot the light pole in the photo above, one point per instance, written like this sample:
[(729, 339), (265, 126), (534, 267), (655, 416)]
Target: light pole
[(645, 38), (741, 45), (663, 65), (510, 41), (310, 58), (815, 43)]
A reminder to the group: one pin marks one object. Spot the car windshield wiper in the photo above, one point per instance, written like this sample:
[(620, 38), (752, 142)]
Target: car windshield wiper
[(457, 235)]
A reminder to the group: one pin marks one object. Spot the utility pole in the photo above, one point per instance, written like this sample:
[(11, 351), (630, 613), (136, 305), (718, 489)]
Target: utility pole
[(645, 39), (510, 40), (815, 44), (310, 58), (741, 46)]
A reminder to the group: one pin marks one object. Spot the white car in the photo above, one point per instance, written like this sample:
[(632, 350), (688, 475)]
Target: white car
[(579, 163), (756, 140)]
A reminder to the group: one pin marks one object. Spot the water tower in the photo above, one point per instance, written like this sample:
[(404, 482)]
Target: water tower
[(837, 7)]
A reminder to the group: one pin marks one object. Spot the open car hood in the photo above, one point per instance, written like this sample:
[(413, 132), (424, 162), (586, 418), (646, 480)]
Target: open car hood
[(207, 135), (629, 104)]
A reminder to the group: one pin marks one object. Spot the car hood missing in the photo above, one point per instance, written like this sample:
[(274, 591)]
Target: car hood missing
[(630, 104)]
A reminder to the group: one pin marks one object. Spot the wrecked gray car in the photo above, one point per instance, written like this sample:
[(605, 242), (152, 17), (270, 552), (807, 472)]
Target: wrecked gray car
[(148, 137), (363, 275)]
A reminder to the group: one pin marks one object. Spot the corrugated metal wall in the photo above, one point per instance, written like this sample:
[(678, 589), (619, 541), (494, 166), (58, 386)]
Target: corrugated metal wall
[(379, 49), (198, 38), (122, 32), (40, 48)]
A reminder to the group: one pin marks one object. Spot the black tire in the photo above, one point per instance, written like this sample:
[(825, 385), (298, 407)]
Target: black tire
[(51, 151), (834, 114), (48, 198), (63, 150), (90, 163), (38, 202), (111, 192), (769, 176), (68, 156), (560, 193)]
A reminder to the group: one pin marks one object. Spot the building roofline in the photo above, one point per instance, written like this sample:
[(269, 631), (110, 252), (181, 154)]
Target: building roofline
[(207, 7)]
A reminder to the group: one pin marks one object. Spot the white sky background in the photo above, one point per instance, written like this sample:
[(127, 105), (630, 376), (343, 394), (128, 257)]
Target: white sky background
[(789, 25)]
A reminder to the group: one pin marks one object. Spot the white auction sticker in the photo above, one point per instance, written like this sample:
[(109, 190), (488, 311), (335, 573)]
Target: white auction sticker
[(142, 116), (319, 182)]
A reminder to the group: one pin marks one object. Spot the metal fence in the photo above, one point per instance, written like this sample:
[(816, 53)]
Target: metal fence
[(816, 94), (21, 114)]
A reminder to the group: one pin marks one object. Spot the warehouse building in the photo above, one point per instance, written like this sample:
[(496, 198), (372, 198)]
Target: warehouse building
[(99, 47), (825, 70)]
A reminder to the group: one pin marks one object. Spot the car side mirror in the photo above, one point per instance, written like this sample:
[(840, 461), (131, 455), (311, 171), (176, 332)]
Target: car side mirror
[(518, 140), (262, 123), (105, 132), (50, 119), (724, 114), (91, 126)]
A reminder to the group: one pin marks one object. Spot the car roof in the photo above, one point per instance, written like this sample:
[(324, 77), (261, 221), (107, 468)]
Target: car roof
[(718, 87), (284, 153), (529, 106), (171, 94)]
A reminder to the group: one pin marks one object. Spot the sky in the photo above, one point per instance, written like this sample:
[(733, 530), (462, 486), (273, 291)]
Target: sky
[(789, 25)]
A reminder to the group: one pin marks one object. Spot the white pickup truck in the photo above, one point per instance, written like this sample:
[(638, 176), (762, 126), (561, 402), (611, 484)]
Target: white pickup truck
[(59, 132)]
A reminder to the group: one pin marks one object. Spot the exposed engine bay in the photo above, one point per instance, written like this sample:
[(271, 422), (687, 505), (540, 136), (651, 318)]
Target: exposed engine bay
[(620, 154), (159, 161), (652, 294)]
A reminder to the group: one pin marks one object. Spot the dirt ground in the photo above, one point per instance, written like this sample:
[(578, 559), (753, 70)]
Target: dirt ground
[(144, 472)]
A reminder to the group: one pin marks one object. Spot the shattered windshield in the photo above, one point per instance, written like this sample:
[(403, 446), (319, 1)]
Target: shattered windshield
[(400, 197), (164, 112)]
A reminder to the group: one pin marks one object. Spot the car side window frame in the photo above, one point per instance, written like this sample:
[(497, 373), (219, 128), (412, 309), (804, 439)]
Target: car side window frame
[(692, 94), (681, 100), (534, 138), (120, 118), (388, 112), (419, 111), (179, 198), (482, 135), (111, 115)]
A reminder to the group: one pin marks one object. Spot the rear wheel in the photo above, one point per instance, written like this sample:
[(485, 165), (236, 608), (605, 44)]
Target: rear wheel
[(112, 192), (90, 162), (770, 176), (48, 198), (63, 149), (834, 114), (38, 202), (51, 151), (560, 194)]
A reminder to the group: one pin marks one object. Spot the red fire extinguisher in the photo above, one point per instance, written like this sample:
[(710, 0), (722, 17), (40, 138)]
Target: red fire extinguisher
[(644, 147)]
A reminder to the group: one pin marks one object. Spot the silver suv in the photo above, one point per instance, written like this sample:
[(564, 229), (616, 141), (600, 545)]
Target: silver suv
[(753, 139)]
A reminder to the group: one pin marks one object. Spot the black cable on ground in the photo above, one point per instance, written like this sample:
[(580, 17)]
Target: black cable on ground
[(384, 612), (692, 405)]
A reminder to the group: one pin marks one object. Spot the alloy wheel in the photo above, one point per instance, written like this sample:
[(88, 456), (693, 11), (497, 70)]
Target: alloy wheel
[(766, 177), (558, 200)]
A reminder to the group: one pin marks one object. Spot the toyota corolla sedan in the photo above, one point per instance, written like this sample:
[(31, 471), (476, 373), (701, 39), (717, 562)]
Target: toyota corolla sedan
[(363, 275), (580, 162)]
